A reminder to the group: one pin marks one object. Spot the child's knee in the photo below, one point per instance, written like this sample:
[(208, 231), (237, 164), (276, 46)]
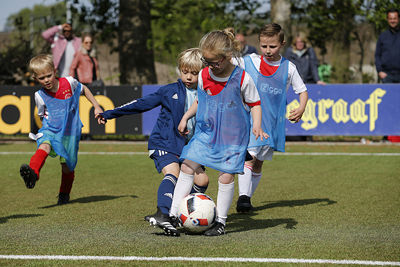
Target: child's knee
[(45, 147), (189, 167), (226, 178)]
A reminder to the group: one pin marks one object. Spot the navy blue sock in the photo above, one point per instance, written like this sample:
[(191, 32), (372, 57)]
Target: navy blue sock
[(165, 193), (198, 189)]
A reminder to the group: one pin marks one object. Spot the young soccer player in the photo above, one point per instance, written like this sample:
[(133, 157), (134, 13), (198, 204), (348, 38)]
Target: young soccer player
[(58, 107), (165, 143), (225, 95), (273, 75)]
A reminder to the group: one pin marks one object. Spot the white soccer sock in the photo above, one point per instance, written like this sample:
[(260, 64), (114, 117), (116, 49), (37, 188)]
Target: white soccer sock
[(224, 200), (255, 180), (182, 189), (244, 181)]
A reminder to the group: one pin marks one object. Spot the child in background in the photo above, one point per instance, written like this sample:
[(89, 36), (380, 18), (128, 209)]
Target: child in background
[(165, 142), (225, 95), (58, 107), (273, 75)]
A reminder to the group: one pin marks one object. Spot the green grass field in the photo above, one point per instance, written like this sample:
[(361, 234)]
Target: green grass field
[(310, 206)]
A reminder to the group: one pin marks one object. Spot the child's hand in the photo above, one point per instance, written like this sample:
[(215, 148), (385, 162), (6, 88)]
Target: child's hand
[(97, 111), (258, 132), (296, 114), (100, 118), (182, 127)]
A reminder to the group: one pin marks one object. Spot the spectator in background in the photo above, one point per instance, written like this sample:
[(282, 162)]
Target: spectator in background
[(305, 59), (387, 53), (85, 67), (246, 49), (63, 46)]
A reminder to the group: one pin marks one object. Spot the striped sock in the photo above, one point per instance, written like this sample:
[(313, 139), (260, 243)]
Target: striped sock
[(165, 193)]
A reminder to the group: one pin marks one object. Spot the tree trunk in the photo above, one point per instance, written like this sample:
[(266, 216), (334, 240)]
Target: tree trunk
[(341, 43), (136, 59), (280, 13)]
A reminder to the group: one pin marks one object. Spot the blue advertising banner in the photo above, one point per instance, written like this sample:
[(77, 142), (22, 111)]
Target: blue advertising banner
[(335, 109), (348, 109)]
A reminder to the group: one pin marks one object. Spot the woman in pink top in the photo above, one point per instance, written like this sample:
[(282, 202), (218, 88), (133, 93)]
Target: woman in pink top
[(85, 66)]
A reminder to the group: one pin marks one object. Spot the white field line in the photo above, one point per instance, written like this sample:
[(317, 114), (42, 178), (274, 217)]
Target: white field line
[(276, 153), (198, 259)]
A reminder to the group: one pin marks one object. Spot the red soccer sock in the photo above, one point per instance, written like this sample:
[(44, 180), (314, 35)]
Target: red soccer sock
[(37, 161), (67, 180)]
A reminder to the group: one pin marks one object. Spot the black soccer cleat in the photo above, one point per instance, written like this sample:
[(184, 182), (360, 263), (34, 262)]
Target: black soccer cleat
[(216, 229), (63, 198), (166, 223), (157, 213), (243, 204), (29, 176)]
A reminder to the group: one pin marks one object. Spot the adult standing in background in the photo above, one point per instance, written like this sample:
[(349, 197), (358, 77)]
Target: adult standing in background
[(387, 53), (64, 44), (246, 49), (85, 66), (305, 59)]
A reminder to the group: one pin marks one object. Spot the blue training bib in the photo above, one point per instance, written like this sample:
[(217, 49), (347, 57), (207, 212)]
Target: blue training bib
[(222, 129), (272, 91), (63, 126)]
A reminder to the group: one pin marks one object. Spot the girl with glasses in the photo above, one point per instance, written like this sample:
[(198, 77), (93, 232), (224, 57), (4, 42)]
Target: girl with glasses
[(226, 96)]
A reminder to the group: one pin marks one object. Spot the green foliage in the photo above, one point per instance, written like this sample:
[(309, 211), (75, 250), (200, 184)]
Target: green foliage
[(25, 41), (178, 25), (100, 18), (378, 14), (338, 22), (326, 20)]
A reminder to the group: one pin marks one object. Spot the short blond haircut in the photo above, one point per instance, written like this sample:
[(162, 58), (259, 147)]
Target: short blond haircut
[(272, 29), (190, 59), (41, 63)]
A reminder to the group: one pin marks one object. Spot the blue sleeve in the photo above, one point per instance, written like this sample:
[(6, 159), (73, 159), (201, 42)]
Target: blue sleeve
[(136, 106)]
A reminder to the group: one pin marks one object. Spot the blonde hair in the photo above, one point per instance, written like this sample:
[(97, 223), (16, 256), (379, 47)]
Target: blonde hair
[(41, 63), (92, 52), (221, 43), (302, 37), (272, 29), (190, 59)]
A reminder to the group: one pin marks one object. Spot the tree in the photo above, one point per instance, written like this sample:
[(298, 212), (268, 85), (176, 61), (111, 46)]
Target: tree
[(338, 23), (25, 40), (179, 24), (145, 27), (135, 43), (280, 13)]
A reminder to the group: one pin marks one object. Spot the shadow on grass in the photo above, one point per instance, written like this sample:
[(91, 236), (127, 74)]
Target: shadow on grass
[(243, 222), (90, 199), (295, 203), (18, 216)]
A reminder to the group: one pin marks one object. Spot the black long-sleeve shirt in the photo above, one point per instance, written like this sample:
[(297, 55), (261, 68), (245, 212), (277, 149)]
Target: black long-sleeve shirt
[(387, 53)]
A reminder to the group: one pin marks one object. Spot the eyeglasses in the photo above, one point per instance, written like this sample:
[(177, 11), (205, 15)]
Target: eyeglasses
[(212, 64)]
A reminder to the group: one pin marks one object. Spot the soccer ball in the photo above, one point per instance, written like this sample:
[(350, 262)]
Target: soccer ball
[(197, 212)]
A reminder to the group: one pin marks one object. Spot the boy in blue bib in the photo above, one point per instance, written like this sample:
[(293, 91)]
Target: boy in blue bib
[(58, 107)]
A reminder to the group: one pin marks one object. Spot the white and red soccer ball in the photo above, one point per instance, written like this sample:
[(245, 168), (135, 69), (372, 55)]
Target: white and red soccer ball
[(197, 212)]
